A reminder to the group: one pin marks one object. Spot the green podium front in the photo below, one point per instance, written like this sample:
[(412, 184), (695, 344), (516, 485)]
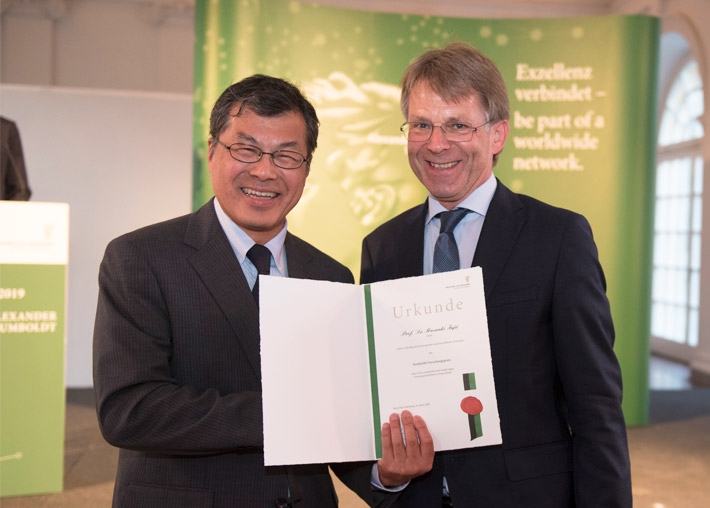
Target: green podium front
[(34, 251)]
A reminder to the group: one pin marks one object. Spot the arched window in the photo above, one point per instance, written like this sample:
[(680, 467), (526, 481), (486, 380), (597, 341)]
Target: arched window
[(678, 214)]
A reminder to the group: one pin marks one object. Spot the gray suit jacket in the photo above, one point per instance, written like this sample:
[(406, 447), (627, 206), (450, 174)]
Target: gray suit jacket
[(177, 372), (558, 383)]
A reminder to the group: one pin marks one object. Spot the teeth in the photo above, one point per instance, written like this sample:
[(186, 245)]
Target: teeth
[(258, 194), (443, 166)]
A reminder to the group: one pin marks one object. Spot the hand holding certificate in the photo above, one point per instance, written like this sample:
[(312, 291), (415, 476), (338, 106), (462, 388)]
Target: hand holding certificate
[(407, 449), (339, 358)]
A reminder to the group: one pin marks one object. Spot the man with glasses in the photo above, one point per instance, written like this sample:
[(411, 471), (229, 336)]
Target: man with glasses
[(558, 382), (176, 342)]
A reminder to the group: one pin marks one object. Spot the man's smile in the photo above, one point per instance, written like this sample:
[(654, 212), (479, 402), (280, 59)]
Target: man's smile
[(443, 165), (259, 194)]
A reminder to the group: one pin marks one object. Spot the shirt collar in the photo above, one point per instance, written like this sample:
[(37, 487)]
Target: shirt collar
[(241, 242), (478, 201)]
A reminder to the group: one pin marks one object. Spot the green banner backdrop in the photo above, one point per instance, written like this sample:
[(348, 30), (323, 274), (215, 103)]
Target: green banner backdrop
[(583, 117)]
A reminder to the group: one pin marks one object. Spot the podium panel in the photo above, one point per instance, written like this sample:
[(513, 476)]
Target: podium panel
[(33, 284)]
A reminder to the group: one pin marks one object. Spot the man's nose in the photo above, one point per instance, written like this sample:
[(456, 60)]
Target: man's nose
[(438, 140), (264, 168)]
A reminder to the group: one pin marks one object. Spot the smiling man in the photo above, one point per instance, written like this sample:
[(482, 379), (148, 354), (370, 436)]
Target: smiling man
[(558, 383), (177, 371)]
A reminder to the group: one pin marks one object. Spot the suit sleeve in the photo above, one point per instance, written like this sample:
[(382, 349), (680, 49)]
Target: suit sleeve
[(143, 402), (590, 373), (16, 186)]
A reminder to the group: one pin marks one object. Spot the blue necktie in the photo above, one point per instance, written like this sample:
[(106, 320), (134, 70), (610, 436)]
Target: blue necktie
[(446, 252), (260, 257)]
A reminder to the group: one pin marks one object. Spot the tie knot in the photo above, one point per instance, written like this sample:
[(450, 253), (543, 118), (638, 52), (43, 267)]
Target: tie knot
[(450, 219), (260, 256)]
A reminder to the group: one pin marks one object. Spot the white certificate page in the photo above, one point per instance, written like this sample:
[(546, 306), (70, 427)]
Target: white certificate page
[(315, 372), (434, 358)]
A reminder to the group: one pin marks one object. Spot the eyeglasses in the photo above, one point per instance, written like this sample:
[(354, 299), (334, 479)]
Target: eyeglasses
[(285, 159), (453, 131)]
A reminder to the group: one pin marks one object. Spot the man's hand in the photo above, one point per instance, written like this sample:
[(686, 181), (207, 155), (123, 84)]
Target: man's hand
[(400, 463)]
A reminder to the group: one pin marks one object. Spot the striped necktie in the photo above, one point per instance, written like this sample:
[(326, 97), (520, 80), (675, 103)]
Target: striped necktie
[(446, 252)]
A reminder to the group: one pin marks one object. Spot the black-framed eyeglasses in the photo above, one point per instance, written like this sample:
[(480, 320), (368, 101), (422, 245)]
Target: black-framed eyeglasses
[(453, 131), (284, 159)]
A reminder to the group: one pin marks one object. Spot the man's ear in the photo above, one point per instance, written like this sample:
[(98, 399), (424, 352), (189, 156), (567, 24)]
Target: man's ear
[(210, 149), (210, 153), (500, 135)]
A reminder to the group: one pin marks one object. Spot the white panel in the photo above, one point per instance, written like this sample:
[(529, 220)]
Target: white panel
[(34, 233), (121, 160)]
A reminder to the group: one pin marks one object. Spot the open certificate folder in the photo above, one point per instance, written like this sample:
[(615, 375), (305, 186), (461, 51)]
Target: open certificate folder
[(338, 359)]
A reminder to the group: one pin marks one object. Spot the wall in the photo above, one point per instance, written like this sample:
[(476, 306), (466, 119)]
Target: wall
[(105, 44), (107, 126), (120, 159)]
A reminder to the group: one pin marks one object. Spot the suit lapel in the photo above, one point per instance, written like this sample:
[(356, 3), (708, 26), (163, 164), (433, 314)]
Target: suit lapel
[(217, 266), (411, 240), (504, 220), (414, 265), (298, 259)]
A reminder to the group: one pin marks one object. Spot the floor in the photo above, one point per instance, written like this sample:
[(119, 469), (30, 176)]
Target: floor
[(668, 375)]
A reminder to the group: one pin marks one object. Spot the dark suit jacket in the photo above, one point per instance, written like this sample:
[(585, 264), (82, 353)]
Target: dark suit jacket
[(558, 382), (13, 176), (177, 372)]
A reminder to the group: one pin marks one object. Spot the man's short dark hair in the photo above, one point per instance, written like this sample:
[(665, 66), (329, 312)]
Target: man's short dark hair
[(266, 96)]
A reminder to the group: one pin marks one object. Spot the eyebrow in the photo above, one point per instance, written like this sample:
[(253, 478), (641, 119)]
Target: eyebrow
[(246, 137), (448, 120)]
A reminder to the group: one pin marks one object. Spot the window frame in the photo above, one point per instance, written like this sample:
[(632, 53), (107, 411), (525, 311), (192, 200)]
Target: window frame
[(692, 149)]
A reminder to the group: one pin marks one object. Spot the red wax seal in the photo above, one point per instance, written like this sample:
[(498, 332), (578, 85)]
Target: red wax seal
[(471, 406)]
